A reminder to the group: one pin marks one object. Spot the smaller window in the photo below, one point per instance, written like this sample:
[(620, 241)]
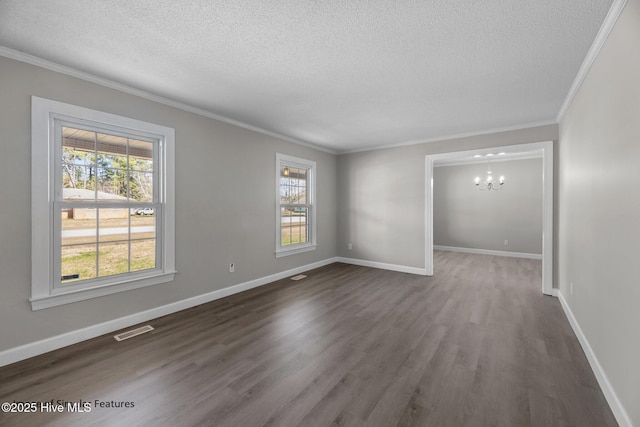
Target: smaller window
[(295, 205)]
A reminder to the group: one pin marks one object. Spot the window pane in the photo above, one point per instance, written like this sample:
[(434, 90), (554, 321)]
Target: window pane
[(301, 194), (295, 233), (78, 251), (77, 168), (143, 254), (78, 163), (141, 171), (78, 263), (78, 226), (293, 225), (113, 258), (285, 222), (143, 224), (113, 224), (284, 190), (302, 224), (112, 185), (112, 167), (79, 140), (141, 186), (293, 185), (301, 188), (141, 155)]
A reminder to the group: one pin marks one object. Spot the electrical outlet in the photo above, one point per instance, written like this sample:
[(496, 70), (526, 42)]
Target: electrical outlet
[(232, 268), (506, 243), (350, 246), (571, 288)]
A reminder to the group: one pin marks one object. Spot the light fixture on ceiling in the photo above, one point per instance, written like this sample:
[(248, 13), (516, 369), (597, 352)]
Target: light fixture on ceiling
[(489, 183)]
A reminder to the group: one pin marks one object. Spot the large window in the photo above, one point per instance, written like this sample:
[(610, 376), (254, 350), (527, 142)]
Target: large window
[(295, 189), (102, 203)]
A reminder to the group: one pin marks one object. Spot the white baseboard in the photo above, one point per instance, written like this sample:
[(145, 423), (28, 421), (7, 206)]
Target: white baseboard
[(53, 343), (488, 252), (609, 393), (384, 266)]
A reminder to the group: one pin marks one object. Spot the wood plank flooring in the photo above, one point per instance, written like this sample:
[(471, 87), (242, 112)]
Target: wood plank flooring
[(477, 344)]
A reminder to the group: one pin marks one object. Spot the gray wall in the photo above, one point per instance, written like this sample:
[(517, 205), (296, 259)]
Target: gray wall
[(467, 218), (599, 208), (381, 195), (225, 204)]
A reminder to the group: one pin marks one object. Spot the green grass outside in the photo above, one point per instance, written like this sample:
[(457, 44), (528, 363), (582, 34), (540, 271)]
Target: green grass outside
[(112, 257), (293, 234)]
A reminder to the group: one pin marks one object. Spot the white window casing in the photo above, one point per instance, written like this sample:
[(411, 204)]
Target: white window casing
[(299, 215), (46, 202)]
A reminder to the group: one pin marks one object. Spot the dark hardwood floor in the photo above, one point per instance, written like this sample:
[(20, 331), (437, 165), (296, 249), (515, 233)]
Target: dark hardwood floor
[(477, 344)]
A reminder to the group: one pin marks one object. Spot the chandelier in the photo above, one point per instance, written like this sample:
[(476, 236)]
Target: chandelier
[(489, 183)]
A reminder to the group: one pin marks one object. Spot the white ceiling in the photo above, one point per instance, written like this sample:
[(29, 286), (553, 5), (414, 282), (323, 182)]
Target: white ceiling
[(344, 75)]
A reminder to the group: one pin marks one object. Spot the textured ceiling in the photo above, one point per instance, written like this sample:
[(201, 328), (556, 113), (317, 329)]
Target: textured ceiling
[(340, 74)]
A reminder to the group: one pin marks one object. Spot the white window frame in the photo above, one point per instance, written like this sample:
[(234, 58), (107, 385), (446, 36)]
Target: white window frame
[(311, 244), (45, 234)]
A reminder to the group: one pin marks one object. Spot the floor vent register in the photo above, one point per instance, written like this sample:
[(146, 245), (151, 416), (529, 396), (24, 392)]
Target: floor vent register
[(133, 333)]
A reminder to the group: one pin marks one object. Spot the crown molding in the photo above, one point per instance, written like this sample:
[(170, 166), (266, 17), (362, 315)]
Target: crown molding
[(455, 136), (608, 24), (58, 68)]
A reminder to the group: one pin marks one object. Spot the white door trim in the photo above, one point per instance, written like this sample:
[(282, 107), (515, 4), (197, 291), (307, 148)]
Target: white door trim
[(547, 202)]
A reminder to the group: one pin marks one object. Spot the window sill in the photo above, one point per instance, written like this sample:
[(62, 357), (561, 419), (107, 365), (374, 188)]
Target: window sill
[(300, 249), (67, 297)]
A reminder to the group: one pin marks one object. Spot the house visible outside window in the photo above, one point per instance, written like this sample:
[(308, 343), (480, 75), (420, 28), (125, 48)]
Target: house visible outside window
[(295, 206), (102, 203)]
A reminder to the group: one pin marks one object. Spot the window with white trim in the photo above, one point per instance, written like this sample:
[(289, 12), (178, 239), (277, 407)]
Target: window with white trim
[(295, 205), (102, 203)]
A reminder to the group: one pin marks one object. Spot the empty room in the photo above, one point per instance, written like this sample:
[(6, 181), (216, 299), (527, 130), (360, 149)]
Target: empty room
[(320, 213)]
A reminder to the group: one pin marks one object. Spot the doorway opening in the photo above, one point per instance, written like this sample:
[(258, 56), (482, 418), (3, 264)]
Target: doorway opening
[(546, 150)]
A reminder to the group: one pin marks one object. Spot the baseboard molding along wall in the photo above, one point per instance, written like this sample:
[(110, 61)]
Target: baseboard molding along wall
[(488, 252), (49, 344), (609, 393), (383, 265)]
